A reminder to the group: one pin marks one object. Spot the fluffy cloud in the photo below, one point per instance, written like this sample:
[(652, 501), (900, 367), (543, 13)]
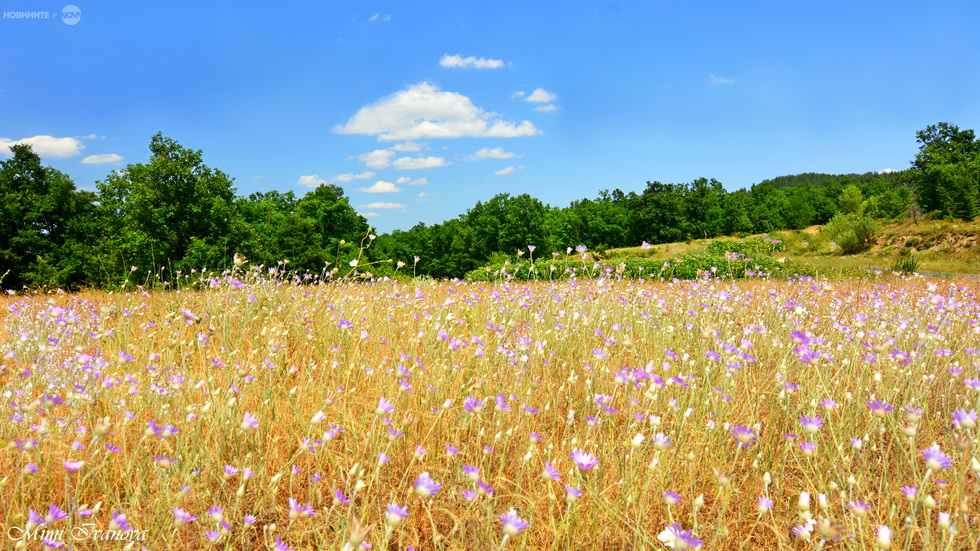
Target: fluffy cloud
[(407, 146), (46, 146), (423, 111), (313, 180), (382, 205), (546, 108), (411, 163), (411, 182), (508, 170), (539, 95), (344, 178), (381, 187), (717, 79), (495, 153), (377, 159), (101, 158), (459, 62), (370, 214)]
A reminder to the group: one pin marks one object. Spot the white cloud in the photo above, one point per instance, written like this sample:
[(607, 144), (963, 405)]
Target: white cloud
[(546, 108), (508, 170), (377, 159), (344, 178), (46, 146), (496, 153), (381, 187), (460, 62), (422, 195), (383, 205), (379, 17), (370, 214), (91, 137), (423, 111), (411, 163), (539, 95), (408, 180), (717, 79), (313, 180), (101, 158), (518, 94), (407, 146)]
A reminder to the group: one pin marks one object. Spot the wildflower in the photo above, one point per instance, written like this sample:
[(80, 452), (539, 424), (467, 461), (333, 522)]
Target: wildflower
[(72, 466), (216, 513), (118, 521), (963, 419), (395, 514), (859, 508), (358, 532), (744, 435), (182, 517), (281, 545), (513, 523), (935, 459), (884, 539), (879, 408), (249, 422), (671, 498), (339, 498), (550, 473), (472, 473), (572, 493), (909, 492), (425, 487), (763, 504), (55, 513), (808, 448), (584, 460), (811, 425), (661, 441), (384, 407), (318, 417), (212, 536), (472, 405), (676, 537), (296, 510), (230, 472)]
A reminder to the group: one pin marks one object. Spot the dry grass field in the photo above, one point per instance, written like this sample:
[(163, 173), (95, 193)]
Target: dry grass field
[(248, 411)]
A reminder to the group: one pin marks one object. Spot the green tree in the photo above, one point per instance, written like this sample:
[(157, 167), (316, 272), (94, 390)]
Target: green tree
[(946, 171), (850, 200), (172, 210), (47, 232)]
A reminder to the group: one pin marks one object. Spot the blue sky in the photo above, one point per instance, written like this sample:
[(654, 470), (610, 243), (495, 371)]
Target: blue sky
[(420, 109)]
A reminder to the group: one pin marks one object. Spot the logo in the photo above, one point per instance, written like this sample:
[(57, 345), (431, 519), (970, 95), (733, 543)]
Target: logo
[(71, 15)]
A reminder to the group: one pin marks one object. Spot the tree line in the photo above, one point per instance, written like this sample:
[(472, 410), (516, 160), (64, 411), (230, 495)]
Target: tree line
[(173, 216)]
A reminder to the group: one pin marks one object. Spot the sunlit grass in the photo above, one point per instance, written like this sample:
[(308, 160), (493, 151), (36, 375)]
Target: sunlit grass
[(311, 413)]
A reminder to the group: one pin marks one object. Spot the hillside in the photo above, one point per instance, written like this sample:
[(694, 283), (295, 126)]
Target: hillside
[(940, 246)]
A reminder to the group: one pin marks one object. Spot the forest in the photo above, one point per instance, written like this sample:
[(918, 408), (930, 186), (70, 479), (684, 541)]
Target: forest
[(174, 216)]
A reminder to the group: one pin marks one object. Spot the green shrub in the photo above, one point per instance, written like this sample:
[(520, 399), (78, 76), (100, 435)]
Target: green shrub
[(854, 233), (907, 261)]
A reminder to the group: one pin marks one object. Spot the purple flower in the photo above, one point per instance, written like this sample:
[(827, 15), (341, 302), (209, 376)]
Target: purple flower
[(671, 498), (339, 497), (182, 517), (513, 524), (472, 405), (678, 538), (296, 510), (936, 460), (909, 492), (249, 422), (212, 536), (583, 460), (763, 504), (384, 407), (744, 435), (550, 473), (119, 521), (281, 545), (395, 514), (34, 519), (808, 447), (55, 513), (425, 487), (963, 419), (879, 408), (660, 441), (859, 508), (471, 473), (572, 493), (72, 466), (811, 424), (216, 513)]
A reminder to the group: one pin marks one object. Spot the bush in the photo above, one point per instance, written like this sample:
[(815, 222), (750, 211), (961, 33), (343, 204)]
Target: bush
[(907, 261), (854, 233)]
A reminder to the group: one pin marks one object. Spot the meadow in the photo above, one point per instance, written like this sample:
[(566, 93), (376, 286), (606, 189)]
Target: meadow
[(252, 410)]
